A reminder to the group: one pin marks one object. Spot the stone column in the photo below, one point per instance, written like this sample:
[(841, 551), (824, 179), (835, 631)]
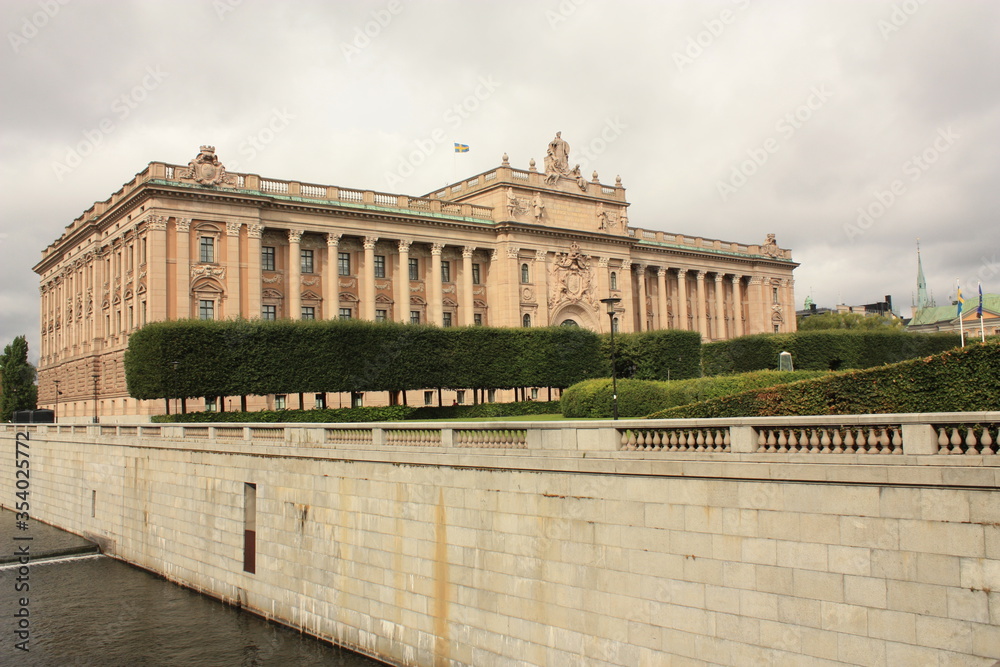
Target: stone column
[(737, 307), (788, 304), (682, 299), (367, 291), (232, 308), (542, 287), (156, 270), (434, 300), (512, 293), (663, 319), (331, 288), (121, 326), (136, 270), (627, 320), (294, 285), (465, 305), (402, 282), (720, 310), (643, 317), (97, 330), (182, 249), (755, 306), (254, 232), (603, 290), (701, 304)]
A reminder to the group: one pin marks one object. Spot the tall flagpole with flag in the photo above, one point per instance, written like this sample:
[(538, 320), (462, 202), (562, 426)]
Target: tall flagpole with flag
[(961, 328), (979, 312)]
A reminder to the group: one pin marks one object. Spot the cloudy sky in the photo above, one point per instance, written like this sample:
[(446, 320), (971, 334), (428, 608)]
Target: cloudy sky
[(848, 129)]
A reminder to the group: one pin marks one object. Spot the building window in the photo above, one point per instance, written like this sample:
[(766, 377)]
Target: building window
[(206, 309), (525, 276), (320, 401), (344, 263), (357, 399), (446, 272), (614, 325), (774, 295), (131, 318), (381, 315), (279, 401), (477, 319), (414, 269), (475, 274), (207, 255), (491, 396), (526, 320), (460, 396), (428, 398), (534, 393), (267, 258), (142, 251), (446, 319), (307, 261), (414, 317), (142, 312), (614, 280), (777, 328), (380, 266), (308, 312), (210, 404), (345, 313), (269, 313)]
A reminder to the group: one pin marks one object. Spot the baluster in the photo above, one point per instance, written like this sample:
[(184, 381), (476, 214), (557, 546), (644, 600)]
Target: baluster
[(631, 439), (838, 443), (793, 441), (771, 441), (782, 442), (872, 440), (824, 440), (726, 440), (971, 441), (897, 441), (623, 442), (720, 440), (987, 441), (673, 441), (700, 440), (657, 442), (761, 441), (884, 440), (956, 441), (848, 440), (859, 441), (942, 441)]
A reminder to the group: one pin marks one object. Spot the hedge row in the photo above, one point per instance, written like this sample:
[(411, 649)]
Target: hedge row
[(330, 415), (961, 380), (822, 350), (191, 358), (637, 398), (487, 410), (666, 354)]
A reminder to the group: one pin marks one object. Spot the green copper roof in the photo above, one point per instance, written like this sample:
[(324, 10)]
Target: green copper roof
[(991, 302)]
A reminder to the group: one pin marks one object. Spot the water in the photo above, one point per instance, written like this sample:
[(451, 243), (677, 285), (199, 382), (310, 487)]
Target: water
[(94, 610)]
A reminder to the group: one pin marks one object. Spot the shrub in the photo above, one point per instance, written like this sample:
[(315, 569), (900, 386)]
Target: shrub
[(328, 415), (668, 354), (486, 410), (960, 380)]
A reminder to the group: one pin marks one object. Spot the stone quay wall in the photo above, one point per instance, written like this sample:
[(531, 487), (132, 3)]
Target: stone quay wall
[(678, 542)]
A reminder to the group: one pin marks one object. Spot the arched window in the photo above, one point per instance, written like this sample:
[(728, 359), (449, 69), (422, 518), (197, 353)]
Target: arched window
[(614, 325), (525, 278), (614, 280), (526, 320), (569, 323)]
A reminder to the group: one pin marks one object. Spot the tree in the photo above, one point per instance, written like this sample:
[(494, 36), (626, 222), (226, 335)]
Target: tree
[(17, 380), (848, 321)]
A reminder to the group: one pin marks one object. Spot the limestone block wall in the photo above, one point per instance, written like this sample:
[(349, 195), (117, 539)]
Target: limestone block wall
[(552, 554)]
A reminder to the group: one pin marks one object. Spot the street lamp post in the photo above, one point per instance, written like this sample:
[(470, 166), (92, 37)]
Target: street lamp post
[(95, 376), (55, 415), (611, 302)]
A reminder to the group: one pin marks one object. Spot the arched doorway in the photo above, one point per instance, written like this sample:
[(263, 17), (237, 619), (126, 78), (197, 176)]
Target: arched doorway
[(569, 322), (576, 315)]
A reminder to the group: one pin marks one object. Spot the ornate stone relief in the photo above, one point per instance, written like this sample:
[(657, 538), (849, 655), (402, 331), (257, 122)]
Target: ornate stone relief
[(157, 222), (270, 280), (385, 284), (310, 281), (348, 282), (206, 169), (571, 280), (770, 247), (233, 228), (208, 271), (271, 237)]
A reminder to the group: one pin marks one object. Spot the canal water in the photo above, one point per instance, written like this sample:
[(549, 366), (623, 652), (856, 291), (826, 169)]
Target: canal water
[(93, 610)]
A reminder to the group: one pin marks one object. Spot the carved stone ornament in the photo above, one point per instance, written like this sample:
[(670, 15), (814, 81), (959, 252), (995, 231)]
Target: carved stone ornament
[(770, 247), (271, 280), (206, 169), (571, 280), (310, 281), (348, 282), (208, 271)]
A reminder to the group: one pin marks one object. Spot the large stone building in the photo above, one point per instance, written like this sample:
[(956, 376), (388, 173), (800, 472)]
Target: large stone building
[(508, 247)]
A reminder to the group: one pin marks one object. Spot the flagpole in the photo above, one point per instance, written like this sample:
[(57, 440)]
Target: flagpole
[(961, 327), (982, 329)]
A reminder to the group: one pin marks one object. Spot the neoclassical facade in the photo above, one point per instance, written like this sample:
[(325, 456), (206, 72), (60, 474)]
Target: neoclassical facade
[(508, 247)]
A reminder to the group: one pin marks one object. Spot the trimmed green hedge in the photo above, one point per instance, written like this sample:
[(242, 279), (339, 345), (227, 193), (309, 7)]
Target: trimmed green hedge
[(822, 350), (668, 354), (960, 380), (192, 358), (336, 415), (487, 410), (637, 398)]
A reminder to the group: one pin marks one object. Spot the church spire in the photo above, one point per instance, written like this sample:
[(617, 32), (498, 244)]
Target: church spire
[(923, 301)]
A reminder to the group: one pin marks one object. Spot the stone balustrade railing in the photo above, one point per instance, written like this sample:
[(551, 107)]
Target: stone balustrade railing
[(944, 434)]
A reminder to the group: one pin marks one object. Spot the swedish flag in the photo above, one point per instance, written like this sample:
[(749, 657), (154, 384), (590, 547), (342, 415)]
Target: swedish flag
[(961, 301), (461, 148)]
